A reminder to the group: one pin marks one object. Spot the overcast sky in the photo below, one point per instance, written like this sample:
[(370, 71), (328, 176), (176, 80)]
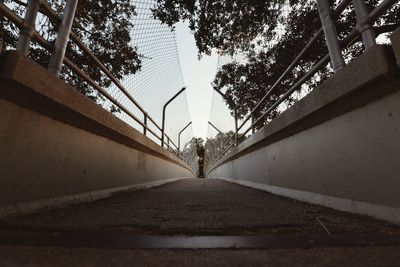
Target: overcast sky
[(198, 76)]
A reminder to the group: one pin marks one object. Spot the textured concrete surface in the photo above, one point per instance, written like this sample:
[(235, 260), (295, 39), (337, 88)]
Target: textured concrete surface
[(29, 85), (58, 147), (332, 257), (199, 206), (370, 76), (350, 156)]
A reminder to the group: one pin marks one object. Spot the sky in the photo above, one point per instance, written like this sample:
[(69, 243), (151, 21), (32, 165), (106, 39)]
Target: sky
[(197, 75)]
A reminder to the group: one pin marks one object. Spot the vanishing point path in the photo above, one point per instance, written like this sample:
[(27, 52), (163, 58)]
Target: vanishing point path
[(197, 222)]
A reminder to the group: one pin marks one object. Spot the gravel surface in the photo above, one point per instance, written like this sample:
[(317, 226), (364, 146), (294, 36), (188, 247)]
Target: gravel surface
[(199, 207)]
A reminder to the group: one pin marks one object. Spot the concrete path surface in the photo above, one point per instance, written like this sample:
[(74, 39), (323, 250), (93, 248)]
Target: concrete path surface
[(201, 207)]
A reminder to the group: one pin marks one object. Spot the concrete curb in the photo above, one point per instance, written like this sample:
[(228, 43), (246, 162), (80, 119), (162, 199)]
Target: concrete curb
[(33, 88), (350, 88), (395, 38), (390, 214), (28, 207)]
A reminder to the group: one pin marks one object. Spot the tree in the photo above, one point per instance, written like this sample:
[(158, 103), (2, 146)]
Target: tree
[(104, 26), (199, 144), (252, 27), (248, 83), (224, 25), (215, 146)]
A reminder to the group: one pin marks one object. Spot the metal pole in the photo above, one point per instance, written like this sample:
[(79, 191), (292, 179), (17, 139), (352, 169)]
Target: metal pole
[(64, 30), (363, 26), (214, 127), (332, 41), (179, 136), (163, 114), (253, 128), (26, 33), (168, 147), (234, 113), (145, 124), (236, 125)]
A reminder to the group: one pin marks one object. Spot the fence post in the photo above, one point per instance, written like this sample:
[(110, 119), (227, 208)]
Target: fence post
[(331, 38), (25, 35), (163, 114), (363, 26), (145, 124), (179, 136), (168, 147), (236, 125), (253, 127), (57, 57)]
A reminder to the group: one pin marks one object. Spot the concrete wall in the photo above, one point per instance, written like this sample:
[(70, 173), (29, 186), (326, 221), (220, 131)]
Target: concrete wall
[(58, 147), (339, 146)]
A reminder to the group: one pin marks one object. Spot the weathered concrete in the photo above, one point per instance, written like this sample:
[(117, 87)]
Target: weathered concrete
[(336, 147), (199, 207), (323, 257), (59, 147)]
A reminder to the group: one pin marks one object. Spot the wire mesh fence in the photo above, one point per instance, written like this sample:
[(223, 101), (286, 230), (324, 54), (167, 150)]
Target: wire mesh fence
[(160, 76), (282, 68), (156, 73)]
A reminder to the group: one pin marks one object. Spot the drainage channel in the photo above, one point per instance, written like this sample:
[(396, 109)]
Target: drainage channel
[(127, 241)]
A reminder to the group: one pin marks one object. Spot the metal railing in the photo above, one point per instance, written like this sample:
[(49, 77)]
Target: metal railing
[(57, 51), (363, 29)]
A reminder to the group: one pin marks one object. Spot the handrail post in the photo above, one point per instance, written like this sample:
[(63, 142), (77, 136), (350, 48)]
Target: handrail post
[(253, 127), (163, 114), (363, 26), (236, 125), (60, 46), (25, 35), (168, 147), (331, 38), (179, 137), (145, 123)]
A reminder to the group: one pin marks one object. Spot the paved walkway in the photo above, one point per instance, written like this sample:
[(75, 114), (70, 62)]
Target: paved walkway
[(199, 206), (202, 207)]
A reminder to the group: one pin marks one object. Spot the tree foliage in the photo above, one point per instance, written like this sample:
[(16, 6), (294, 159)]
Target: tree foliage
[(224, 25), (252, 27), (215, 146), (199, 143), (104, 26)]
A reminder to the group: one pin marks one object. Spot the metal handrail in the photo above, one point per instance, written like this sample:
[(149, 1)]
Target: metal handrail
[(353, 36), (86, 50), (342, 6), (50, 13), (179, 136), (163, 114)]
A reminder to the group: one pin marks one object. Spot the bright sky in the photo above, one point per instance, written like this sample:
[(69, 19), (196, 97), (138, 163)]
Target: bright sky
[(198, 76)]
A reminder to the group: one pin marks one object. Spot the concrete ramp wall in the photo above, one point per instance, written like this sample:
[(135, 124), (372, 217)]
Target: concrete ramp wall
[(57, 147), (339, 146)]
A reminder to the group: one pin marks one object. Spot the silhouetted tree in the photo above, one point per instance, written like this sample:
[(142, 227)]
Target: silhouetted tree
[(104, 26), (251, 27)]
